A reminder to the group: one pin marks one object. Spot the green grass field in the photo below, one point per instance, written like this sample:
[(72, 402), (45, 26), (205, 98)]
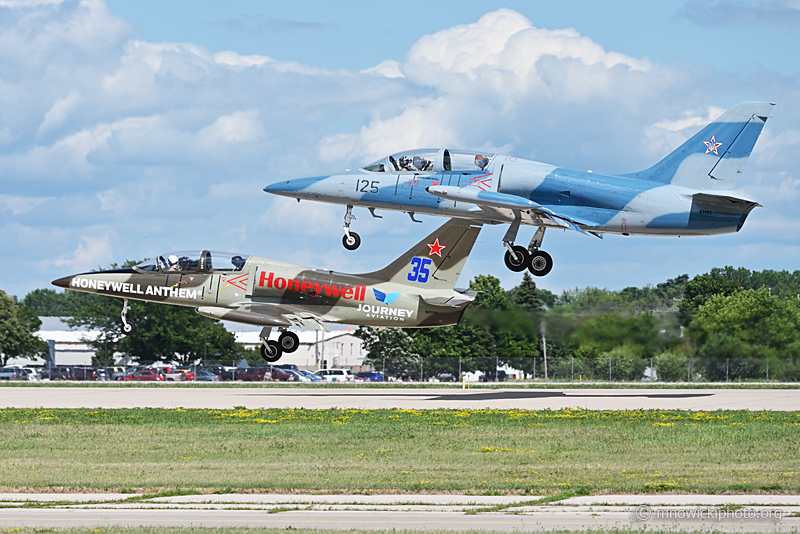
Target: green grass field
[(398, 451)]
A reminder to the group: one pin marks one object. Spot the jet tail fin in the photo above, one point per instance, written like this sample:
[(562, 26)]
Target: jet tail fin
[(714, 158), (436, 261)]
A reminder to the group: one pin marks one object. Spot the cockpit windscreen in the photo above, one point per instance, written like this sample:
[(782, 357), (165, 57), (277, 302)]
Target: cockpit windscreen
[(431, 160), (194, 261)]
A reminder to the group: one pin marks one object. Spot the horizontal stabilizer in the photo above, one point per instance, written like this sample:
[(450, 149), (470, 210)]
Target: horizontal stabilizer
[(455, 302)]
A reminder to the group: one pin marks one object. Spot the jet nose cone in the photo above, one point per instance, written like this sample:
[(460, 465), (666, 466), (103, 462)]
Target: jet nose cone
[(63, 282), (280, 188)]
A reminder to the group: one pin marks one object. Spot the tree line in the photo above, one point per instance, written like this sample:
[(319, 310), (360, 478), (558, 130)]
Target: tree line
[(727, 322)]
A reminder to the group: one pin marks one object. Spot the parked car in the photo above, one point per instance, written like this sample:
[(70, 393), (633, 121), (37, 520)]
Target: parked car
[(224, 373), (261, 373), (145, 375), (205, 376), (310, 375), (370, 376), (170, 373), (336, 375), (53, 373), (491, 375), (187, 370), (13, 373), (298, 376), (445, 377), (284, 375), (83, 372), (67, 371)]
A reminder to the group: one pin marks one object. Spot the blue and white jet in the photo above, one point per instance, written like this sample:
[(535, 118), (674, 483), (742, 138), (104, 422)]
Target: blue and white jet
[(689, 192)]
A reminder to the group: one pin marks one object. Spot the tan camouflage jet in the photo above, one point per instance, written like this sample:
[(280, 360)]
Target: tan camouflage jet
[(415, 290)]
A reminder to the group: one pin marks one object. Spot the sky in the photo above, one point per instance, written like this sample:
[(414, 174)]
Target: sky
[(131, 129)]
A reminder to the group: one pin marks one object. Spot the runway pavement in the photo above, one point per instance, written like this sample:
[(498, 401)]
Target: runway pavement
[(758, 513), (399, 397)]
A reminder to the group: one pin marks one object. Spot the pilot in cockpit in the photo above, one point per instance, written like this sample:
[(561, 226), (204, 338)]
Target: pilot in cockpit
[(173, 263), (481, 161), (238, 262)]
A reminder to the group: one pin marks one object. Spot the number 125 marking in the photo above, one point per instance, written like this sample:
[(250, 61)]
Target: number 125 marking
[(419, 270), (362, 185)]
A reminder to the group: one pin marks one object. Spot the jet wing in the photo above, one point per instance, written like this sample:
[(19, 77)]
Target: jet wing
[(260, 314), (492, 199)]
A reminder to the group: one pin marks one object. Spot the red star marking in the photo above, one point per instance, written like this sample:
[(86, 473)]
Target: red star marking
[(711, 146), (436, 248)]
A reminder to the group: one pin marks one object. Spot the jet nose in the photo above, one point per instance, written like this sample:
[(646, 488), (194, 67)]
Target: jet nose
[(283, 188), (63, 282), (299, 187)]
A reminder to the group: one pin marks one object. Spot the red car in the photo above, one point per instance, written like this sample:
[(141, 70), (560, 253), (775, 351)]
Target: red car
[(145, 375), (187, 371)]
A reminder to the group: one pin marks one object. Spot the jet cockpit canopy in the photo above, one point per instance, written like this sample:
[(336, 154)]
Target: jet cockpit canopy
[(194, 261), (429, 160)]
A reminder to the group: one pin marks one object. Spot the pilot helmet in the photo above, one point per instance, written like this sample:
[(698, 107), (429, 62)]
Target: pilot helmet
[(173, 259)]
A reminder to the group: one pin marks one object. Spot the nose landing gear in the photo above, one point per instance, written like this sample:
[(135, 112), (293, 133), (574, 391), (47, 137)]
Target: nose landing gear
[(127, 328), (351, 240)]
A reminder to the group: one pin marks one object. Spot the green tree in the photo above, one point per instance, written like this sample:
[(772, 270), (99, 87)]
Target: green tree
[(17, 327), (490, 294), (51, 303), (611, 330), (746, 325), (700, 289), (526, 295)]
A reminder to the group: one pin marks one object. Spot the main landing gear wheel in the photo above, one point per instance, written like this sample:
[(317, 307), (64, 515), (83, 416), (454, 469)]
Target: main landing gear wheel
[(289, 342), (518, 261), (541, 263), (271, 351), (352, 241)]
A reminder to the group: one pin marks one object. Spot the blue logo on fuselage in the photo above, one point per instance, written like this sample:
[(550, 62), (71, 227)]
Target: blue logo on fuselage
[(383, 297)]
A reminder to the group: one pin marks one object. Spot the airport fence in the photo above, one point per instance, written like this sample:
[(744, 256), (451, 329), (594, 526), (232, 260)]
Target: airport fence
[(670, 368), (622, 366)]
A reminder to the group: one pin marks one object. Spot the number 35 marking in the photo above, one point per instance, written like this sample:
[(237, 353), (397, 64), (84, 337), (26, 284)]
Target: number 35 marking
[(419, 270), (362, 185)]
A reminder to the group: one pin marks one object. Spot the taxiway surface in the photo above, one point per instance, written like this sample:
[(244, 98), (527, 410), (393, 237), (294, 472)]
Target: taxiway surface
[(741, 513), (399, 397)]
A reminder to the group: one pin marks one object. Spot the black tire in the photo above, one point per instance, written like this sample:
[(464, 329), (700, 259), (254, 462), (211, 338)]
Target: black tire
[(128, 329), (540, 263), (353, 242), (519, 261), (289, 342), (271, 352)]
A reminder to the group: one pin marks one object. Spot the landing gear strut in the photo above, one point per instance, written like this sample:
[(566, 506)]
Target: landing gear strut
[(518, 258), (351, 240), (127, 328), (540, 263)]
